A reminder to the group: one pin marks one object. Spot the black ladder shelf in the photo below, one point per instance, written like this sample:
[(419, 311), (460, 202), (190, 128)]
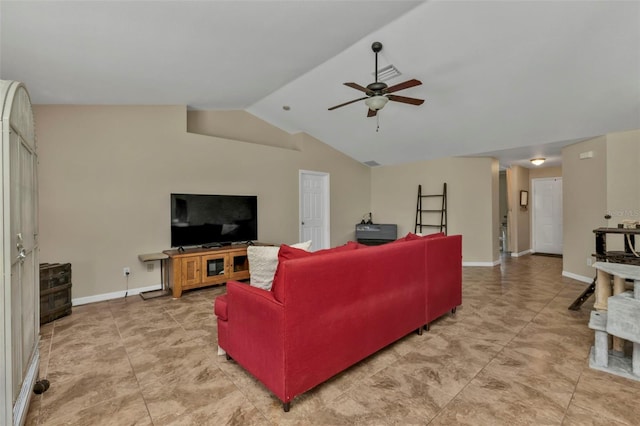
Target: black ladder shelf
[(420, 211)]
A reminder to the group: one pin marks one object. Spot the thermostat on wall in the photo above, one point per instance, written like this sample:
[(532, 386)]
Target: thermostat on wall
[(585, 155)]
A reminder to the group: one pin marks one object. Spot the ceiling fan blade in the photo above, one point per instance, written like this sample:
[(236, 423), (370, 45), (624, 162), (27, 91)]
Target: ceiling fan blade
[(405, 100), (357, 87), (347, 103), (371, 113), (402, 86)]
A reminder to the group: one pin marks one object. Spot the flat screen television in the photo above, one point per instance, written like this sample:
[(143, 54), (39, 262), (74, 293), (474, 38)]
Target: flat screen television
[(201, 219)]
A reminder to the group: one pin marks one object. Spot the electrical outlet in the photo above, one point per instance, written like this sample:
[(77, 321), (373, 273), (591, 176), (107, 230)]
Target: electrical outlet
[(149, 267), (126, 271), (589, 261)]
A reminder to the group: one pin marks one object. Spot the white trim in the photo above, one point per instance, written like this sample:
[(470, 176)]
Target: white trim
[(327, 205), (490, 264), (6, 375), (533, 197), (577, 277), (115, 295), (21, 406), (522, 253)]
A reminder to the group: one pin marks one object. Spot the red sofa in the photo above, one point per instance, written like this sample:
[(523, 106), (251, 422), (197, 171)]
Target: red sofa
[(330, 309)]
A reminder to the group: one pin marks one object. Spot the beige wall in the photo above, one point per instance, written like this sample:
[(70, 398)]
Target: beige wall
[(472, 194), (229, 125), (608, 183), (504, 206), (545, 172), (584, 203), (519, 229), (496, 220), (623, 176), (106, 173)]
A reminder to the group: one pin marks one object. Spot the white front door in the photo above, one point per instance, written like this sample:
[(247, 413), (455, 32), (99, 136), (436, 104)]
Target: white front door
[(547, 215), (314, 209)]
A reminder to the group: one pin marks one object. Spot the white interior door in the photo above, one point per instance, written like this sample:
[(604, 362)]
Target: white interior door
[(20, 320), (547, 215), (314, 209)]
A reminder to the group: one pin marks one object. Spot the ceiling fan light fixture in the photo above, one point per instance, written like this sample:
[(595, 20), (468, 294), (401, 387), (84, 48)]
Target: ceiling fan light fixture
[(537, 161), (377, 102)]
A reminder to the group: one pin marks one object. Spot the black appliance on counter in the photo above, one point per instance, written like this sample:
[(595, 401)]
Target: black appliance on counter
[(373, 234)]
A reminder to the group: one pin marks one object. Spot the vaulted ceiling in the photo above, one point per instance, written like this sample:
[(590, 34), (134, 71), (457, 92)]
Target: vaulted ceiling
[(515, 79)]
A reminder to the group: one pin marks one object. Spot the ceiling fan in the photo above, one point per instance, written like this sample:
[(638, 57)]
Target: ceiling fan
[(378, 93)]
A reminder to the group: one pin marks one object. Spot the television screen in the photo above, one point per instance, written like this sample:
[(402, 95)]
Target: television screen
[(199, 219)]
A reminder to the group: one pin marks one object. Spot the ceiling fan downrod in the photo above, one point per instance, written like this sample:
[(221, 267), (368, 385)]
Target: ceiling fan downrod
[(376, 47), (376, 88)]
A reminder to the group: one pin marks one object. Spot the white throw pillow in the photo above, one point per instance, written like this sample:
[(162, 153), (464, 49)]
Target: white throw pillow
[(263, 261)]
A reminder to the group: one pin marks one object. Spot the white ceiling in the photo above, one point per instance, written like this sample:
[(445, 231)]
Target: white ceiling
[(505, 78)]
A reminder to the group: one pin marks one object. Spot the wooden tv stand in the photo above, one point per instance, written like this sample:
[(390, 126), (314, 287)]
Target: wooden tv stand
[(203, 267)]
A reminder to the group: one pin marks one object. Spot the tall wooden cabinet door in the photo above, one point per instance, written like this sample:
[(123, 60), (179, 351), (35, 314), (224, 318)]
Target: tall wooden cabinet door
[(215, 268), (238, 265), (19, 281), (190, 272)]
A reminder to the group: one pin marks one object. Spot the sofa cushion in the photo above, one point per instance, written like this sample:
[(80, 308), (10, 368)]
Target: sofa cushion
[(263, 261), (291, 252), (411, 236), (220, 307)]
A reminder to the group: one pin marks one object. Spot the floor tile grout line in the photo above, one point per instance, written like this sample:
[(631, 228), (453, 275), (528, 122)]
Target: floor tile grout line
[(573, 394), (246, 397), (46, 370), (122, 342), (441, 410), (587, 407), (494, 357)]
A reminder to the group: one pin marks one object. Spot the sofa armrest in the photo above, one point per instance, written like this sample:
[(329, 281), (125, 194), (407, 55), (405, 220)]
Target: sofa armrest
[(256, 333), (244, 290), (220, 307)]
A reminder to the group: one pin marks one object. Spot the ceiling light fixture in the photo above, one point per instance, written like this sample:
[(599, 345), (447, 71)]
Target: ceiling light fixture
[(376, 103), (537, 161)]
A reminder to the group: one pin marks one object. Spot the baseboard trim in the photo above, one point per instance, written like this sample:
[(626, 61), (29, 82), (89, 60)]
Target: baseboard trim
[(577, 277), (522, 253), (115, 295), (21, 406), (489, 264)]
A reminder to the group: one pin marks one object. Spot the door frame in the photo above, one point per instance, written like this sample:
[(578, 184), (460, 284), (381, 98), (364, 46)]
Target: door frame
[(326, 225), (533, 210)]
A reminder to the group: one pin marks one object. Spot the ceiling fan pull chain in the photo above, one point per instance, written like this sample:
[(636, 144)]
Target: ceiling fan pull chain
[(377, 122)]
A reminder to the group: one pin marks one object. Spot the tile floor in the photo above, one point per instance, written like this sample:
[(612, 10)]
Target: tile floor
[(512, 355)]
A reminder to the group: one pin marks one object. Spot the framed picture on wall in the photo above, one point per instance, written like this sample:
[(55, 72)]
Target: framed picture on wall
[(524, 198)]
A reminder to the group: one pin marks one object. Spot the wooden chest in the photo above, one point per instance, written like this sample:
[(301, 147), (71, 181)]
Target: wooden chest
[(55, 291)]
